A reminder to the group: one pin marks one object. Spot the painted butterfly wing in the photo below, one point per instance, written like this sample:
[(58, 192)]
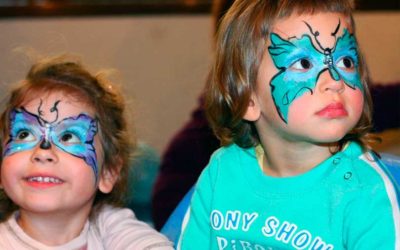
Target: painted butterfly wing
[(346, 46), (23, 121), (75, 135), (287, 85)]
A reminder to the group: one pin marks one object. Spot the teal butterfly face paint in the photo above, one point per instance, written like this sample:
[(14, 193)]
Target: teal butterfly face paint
[(74, 135), (300, 64)]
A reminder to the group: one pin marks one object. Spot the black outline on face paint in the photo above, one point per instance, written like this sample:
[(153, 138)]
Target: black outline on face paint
[(283, 69), (328, 61), (327, 51), (45, 144), (53, 109), (43, 123)]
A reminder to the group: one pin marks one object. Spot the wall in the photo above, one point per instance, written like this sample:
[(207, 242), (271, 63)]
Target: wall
[(163, 60), (379, 36)]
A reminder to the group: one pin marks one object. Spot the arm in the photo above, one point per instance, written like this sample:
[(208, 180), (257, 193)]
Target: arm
[(120, 230)]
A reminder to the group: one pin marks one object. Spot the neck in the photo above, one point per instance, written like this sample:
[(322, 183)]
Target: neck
[(52, 229), (284, 158)]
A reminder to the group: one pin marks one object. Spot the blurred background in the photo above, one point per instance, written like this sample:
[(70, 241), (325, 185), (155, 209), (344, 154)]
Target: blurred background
[(162, 50)]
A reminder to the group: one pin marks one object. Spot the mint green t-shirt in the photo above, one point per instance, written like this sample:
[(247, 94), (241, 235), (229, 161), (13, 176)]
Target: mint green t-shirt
[(347, 202)]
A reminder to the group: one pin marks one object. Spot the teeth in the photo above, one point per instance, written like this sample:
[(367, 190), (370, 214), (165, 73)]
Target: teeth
[(44, 179)]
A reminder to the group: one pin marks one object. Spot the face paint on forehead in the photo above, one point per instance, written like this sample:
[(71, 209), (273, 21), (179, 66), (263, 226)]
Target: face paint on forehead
[(74, 135), (45, 143), (300, 64)]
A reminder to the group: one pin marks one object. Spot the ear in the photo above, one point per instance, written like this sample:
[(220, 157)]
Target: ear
[(109, 177), (253, 111)]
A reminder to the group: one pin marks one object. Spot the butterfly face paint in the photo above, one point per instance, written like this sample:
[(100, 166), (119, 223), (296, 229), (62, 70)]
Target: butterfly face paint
[(74, 135), (300, 64)]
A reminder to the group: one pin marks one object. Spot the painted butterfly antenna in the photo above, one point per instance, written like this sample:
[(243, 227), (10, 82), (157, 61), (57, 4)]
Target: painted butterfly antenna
[(316, 34), (52, 110), (327, 51)]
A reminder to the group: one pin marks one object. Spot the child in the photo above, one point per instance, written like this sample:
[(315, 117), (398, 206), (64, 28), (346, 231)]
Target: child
[(190, 148), (64, 157), (290, 104)]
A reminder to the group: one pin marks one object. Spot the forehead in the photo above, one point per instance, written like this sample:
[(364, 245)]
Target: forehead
[(324, 22), (66, 105)]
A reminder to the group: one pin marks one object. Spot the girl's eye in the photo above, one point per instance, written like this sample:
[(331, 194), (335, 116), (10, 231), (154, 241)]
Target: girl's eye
[(25, 135), (302, 65), (346, 63), (69, 138)]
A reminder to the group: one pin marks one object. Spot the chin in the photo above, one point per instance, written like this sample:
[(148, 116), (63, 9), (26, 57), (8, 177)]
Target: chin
[(330, 137), (39, 208), (321, 134)]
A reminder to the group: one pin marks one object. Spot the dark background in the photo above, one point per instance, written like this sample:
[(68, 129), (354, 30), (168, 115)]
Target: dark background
[(43, 8)]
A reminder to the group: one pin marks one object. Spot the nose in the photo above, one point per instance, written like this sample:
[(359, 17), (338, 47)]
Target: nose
[(327, 83), (44, 155)]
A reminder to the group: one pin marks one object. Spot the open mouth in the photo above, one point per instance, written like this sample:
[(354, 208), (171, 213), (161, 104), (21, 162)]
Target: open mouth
[(44, 179)]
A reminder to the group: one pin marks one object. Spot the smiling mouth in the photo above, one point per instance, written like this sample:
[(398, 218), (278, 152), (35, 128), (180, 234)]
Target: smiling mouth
[(44, 179)]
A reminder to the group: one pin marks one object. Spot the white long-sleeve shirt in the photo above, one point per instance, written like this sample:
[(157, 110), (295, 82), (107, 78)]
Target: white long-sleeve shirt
[(113, 229)]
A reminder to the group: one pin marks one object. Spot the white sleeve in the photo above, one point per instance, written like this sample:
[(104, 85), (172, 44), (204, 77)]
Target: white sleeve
[(121, 230)]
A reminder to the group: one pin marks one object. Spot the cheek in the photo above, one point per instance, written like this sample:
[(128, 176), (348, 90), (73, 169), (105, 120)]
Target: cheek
[(356, 98), (76, 168), (298, 109), (9, 169)]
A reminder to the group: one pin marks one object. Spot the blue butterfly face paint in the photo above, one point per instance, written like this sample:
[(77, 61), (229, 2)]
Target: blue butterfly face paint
[(74, 135), (288, 55)]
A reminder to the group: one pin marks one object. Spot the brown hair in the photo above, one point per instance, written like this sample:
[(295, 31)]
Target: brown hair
[(218, 10), (66, 74), (240, 46)]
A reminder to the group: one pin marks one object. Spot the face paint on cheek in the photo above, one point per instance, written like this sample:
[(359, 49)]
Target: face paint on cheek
[(300, 64), (73, 135), (76, 136)]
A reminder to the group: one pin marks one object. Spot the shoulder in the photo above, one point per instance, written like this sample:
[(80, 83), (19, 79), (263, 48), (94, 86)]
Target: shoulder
[(230, 156), (13, 237), (110, 217), (9, 229), (232, 153), (113, 213), (226, 162), (5, 235), (372, 208), (120, 229), (367, 171)]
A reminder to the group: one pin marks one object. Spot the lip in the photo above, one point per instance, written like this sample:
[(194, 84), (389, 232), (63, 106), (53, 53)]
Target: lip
[(43, 181), (332, 111)]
